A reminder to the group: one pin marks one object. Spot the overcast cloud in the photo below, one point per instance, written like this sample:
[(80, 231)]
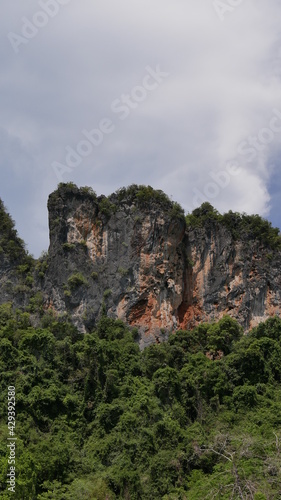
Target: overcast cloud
[(208, 129)]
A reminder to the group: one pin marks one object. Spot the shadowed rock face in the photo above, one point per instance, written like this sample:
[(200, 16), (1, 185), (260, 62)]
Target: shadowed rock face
[(132, 257), (141, 264)]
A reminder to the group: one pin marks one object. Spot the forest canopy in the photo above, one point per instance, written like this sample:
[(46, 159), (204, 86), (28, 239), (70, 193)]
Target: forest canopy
[(196, 417)]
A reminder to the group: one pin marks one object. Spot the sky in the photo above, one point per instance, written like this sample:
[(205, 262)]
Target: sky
[(182, 95)]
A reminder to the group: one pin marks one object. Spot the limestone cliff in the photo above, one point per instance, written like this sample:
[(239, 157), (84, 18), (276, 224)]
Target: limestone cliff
[(124, 255), (133, 256)]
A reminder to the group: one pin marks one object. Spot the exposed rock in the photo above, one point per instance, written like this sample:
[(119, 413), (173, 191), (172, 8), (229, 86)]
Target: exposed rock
[(239, 278), (144, 266), (132, 258)]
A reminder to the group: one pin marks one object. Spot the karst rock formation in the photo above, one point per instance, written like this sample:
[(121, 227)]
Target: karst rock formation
[(133, 256)]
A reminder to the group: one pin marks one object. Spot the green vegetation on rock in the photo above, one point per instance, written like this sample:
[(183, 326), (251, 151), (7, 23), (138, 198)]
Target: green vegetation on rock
[(10, 244), (241, 226), (146, 196), (76, 280)]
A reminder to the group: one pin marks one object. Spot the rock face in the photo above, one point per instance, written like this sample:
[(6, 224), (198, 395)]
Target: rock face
[(240, 278), (134, 258), (128, 257)]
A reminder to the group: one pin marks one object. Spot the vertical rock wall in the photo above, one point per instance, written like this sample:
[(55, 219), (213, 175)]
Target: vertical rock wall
[(142, 265)]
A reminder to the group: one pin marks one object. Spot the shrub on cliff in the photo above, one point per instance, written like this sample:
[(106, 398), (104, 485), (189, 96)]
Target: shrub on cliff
[(76, 280)]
